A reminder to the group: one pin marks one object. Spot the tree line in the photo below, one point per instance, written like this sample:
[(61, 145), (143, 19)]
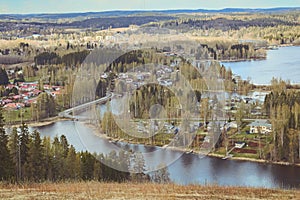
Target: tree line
[(53, 58), (26, 156), (283, 108), (224, 24)]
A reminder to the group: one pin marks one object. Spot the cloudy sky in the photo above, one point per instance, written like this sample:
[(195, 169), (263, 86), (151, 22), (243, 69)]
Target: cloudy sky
[(58, 6)]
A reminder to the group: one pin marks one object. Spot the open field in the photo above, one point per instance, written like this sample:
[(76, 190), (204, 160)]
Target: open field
[(96, 190)]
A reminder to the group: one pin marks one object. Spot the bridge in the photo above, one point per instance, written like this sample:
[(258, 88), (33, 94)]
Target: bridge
[(69, 113)]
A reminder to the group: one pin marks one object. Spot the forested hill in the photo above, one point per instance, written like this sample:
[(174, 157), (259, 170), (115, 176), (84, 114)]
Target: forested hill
[(117, 22), (223, 23), (138, 12)]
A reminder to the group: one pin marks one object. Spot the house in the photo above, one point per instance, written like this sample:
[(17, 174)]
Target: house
[(56, 88), (30, 101), (47, 87), (256, 111), (260, 126), (129, 80), (166, 83), (55, 93), (36, 92), (239, 145), (248, 100), (230, 125), (11, 86), (6, 101), (14, 106), (140, 77), (17, 97), (123, 76), (104, 76), (27, 87)]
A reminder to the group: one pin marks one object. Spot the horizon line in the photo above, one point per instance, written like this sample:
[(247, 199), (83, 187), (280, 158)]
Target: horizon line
[(151, 10)]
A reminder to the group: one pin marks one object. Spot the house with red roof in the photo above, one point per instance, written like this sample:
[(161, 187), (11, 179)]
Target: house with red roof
[(14, 106)]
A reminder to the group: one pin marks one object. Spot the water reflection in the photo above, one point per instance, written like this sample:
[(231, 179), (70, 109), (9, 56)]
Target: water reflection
[(282, 63), (187, 161), (188, 168)]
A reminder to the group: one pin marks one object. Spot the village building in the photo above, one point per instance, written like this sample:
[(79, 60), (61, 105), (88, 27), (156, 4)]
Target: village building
[(260, 126)]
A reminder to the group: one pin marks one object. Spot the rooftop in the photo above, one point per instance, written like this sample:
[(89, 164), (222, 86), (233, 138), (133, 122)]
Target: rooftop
[(261, 122)]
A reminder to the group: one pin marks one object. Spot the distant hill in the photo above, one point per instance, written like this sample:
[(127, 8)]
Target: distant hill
[(136, 12), (117, 22)]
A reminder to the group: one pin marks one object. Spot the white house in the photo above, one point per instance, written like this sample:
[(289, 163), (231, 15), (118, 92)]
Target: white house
[(231, 125), (260, 126), (239, 145)]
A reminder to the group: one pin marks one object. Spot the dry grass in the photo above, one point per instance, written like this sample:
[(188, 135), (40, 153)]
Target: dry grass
[(96, 190)]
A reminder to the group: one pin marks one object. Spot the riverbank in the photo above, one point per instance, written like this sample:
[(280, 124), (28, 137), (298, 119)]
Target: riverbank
[(253, 160), (97, 131), (35, 124), (242, 60), (269, 48), (187, 151), (130, 190)]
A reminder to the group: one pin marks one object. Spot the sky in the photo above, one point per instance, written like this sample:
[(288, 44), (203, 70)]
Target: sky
[(65, 6)]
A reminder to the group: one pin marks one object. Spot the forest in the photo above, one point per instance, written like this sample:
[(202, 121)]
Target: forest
[(225, 24), (283, 108), (27, 157), (70, 59), (117, 22)]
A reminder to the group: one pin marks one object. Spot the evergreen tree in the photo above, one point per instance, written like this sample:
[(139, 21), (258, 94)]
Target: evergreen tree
[(138, 167), (65, 145), (6, 163), (161, 175), (87, 165), (72, 165), (3, 77), (57, 162), (14, 149), (34, 164), (48, 158), (97, 171), (24, 147)]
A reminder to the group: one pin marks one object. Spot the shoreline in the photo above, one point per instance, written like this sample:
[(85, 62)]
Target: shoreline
[(49, 121), (45, 122), (258, 58), (186, 151), (254, 160), (242, 60), (53, 120)]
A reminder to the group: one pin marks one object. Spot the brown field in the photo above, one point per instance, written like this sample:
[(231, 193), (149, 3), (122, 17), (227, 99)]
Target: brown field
[(96, 190)]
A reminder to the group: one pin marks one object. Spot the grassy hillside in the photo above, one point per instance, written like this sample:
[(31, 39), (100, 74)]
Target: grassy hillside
[(96, 190)]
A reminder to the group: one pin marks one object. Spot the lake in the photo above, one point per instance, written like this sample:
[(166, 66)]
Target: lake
[(282, 63)]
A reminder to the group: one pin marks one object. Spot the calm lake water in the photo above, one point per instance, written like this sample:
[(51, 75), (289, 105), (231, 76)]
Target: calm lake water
[(188, 168), (282, 63)]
